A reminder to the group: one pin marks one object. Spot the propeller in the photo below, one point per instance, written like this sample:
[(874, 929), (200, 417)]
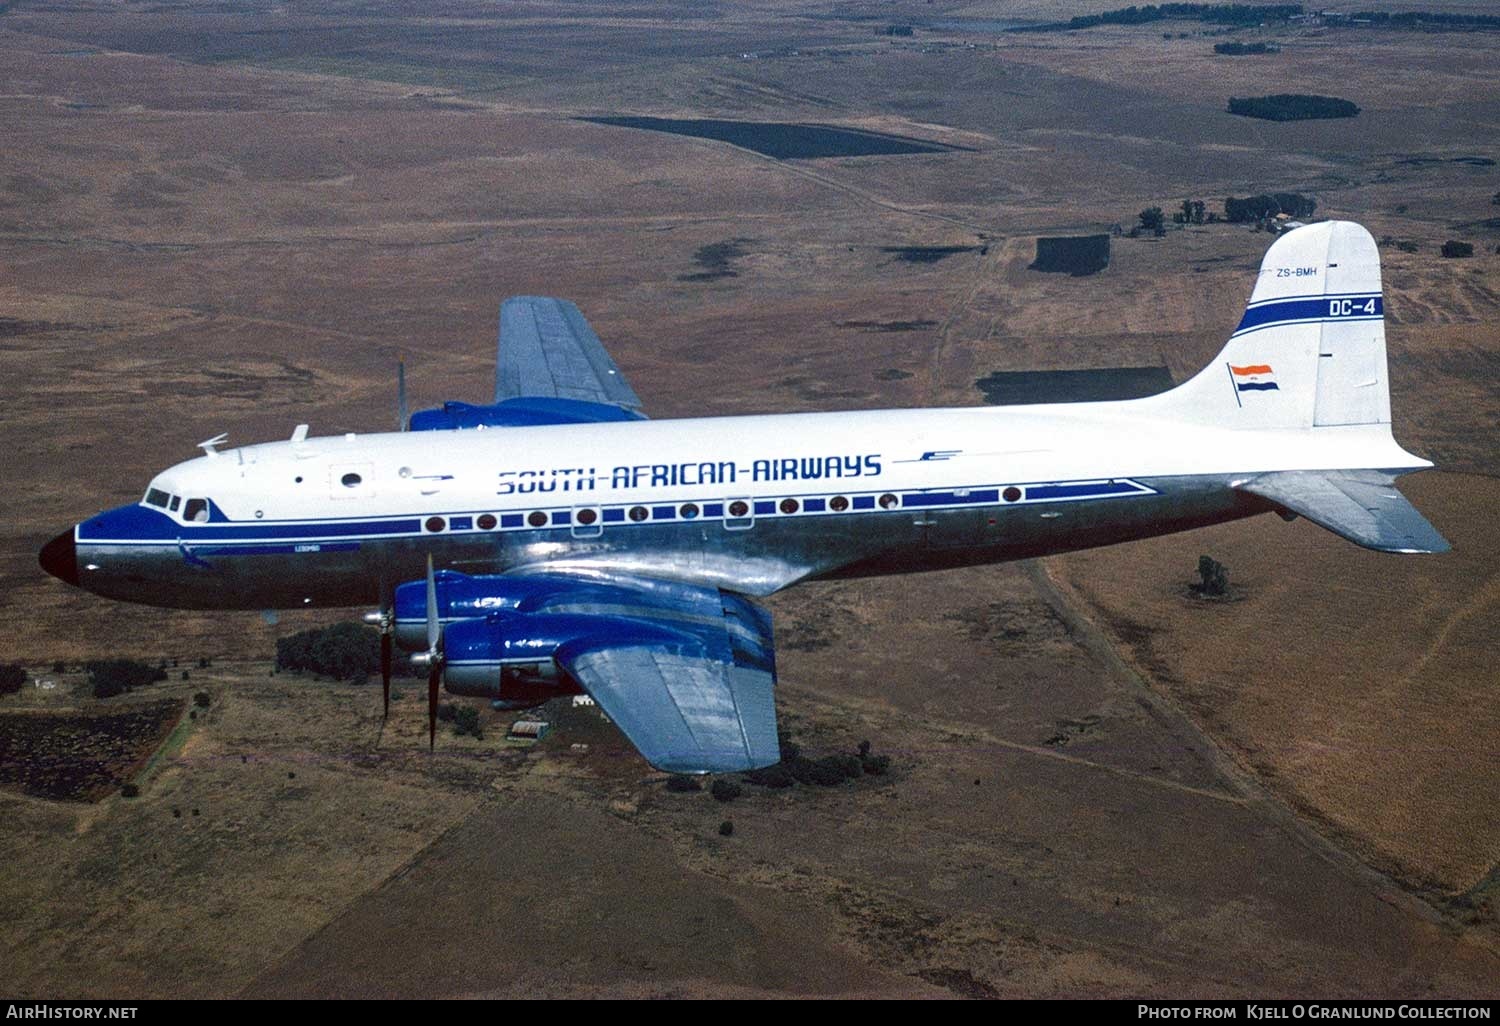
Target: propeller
[(403, 416), (385, 660), (433, 657), (384, 619)]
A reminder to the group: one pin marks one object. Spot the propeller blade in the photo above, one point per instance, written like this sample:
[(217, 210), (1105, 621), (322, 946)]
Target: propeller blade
[(385, 664), (434, 675), (434, 628), (403, 417)]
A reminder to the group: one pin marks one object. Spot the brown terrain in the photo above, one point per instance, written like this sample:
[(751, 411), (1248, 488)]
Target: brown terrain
[(238, 217)]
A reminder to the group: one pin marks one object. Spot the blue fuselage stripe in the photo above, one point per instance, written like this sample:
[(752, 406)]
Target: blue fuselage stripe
[(227, 539)]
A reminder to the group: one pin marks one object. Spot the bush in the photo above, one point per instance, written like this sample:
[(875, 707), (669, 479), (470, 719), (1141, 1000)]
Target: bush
[(447, 711), (774, 777), (681, 783), (12, 678), (726, 829), (130, 791), (1453, 248), (725, 790), (876, 765), (109, 677), (201, 699), (1214, 577), (466, 721)]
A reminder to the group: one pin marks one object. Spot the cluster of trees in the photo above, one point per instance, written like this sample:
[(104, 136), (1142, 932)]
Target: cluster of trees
[(345, 651), (1258, 208), (1416, 20), (110, 677), (796, 768), (1241, 49), (1192, 212), (1216, 14), (1292, 107)]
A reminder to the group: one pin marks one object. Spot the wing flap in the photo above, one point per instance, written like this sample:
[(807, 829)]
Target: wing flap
[(546, 348), (1360, 505), (685, 709)]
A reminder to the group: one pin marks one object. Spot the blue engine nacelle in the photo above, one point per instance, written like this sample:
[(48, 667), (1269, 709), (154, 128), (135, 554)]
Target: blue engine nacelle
[(523, 411), (464, 597), (508, 657)]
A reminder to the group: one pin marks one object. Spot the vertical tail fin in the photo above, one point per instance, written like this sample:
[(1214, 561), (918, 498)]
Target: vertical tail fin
[(1310, 349)]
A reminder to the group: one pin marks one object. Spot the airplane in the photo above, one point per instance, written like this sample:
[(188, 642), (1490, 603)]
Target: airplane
[(556, 541)]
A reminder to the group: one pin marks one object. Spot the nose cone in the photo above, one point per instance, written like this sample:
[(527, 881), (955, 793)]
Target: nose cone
[(59, 557)]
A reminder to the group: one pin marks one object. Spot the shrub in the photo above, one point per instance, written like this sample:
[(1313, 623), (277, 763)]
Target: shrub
[(1453, 248), (130, 791), (726, 829), (466, 721), (12, 678), (201, 699), (681, 783), (876, 765), (774, 777), (725, 790), (447, 711), (109, 677), (1213, 575)]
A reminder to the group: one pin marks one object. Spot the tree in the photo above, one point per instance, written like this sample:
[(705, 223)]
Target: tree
[(109, 677), (1453, 248), (12, 678), (1153, 220), (1214, 577)]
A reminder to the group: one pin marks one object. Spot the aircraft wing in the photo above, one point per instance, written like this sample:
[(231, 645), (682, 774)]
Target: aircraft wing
[(1360, 505), (688, 673), (547, 349)]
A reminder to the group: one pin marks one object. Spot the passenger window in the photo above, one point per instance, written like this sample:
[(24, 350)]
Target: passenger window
[(176, 501), (196, 510), (156, 497)]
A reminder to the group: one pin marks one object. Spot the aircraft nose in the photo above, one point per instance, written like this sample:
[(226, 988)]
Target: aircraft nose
[(59, 557)]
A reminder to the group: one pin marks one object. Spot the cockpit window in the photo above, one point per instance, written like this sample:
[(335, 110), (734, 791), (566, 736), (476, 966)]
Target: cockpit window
[(196, 510), (156, 497), (176, 501)]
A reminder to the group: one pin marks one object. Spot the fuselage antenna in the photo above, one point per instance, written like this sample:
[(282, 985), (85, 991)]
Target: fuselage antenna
[(208, 446)]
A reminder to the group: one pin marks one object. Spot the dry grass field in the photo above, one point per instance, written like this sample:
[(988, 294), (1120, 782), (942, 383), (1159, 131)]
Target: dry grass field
[(237, 218)]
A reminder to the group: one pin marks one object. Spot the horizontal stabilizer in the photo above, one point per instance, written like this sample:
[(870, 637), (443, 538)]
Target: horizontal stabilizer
[(1360, 505)]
